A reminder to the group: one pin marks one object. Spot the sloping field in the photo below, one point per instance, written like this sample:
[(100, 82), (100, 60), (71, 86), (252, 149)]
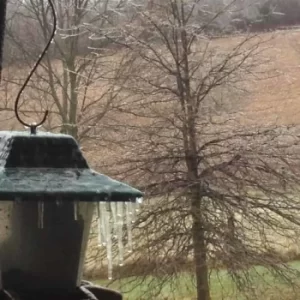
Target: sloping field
[(272, 97), (276, 99)]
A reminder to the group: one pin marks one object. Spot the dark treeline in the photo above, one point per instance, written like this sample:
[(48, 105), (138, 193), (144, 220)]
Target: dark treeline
[(271, 14), (25, 38)]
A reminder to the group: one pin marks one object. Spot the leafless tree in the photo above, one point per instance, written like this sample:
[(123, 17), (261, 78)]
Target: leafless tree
[(221, 191), (73, 82), (149, 79)]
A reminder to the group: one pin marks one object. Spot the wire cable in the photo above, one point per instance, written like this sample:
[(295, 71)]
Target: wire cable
[(35, 125)]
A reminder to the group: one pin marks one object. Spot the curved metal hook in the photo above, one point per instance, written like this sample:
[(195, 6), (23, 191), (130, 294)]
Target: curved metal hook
[(34, 126)]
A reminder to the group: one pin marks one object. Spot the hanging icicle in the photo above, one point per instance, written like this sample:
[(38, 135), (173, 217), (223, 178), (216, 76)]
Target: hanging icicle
[(120, 212), (113, 206), (41, 214), (109, 245), (99, 219), (129, 225), (112, 216), (139, 200), (135, 207), (58, 202), (137, 204), (75, 206), (102, 223), (134, 211)]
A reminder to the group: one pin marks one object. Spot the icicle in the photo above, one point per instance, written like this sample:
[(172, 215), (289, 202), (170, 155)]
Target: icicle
[(138, 203), (58, 202), (18, 200), (109, 246), (99, 224), (103, 222), (129, 225), (136, 207), (75, 206), (120, 209), (139, 200), (120, 213), (41, 214), (134, 211), (113, 207)]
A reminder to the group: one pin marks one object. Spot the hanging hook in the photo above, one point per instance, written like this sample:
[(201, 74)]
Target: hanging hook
[(34, 126)]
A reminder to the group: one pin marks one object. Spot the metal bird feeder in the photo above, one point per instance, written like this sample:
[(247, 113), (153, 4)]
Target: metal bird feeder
[(47, 194), (47, 198)]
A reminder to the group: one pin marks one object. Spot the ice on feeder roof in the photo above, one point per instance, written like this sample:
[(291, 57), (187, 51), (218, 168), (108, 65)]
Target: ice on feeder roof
[(48, 166)]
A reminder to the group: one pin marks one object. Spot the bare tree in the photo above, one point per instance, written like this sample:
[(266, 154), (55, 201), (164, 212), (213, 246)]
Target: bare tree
[(220, 189), (73, 82)]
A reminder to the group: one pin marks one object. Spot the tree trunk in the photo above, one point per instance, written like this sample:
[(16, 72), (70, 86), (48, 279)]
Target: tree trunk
[(198, 231), (73, 129), (200, 250)]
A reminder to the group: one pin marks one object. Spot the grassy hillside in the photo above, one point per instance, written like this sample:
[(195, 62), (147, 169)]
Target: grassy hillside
[(264, 286)]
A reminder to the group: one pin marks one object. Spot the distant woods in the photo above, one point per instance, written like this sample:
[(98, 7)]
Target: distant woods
[(233, 17), (270, 15)]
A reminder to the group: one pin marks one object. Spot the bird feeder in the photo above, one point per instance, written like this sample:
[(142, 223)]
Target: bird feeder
[(47, 199)]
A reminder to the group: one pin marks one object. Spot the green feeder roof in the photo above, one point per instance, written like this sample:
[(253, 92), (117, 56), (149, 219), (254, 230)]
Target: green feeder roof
[(47, 166)]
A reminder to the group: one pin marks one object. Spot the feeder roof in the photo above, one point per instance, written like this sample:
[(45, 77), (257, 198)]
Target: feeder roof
[(51, 166)]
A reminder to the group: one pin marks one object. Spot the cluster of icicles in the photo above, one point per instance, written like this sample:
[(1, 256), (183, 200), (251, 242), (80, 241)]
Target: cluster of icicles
[(112, 218)]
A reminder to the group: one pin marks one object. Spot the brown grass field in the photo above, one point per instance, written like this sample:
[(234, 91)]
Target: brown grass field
[(273, 100), (277, 98)]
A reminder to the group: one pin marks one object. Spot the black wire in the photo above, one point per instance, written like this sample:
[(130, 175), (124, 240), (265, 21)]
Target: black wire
[(34, 126)]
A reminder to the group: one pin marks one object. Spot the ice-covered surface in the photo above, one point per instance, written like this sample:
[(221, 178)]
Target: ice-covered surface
[(43, 150), (50, 170), (47, 166), (84, 184)]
